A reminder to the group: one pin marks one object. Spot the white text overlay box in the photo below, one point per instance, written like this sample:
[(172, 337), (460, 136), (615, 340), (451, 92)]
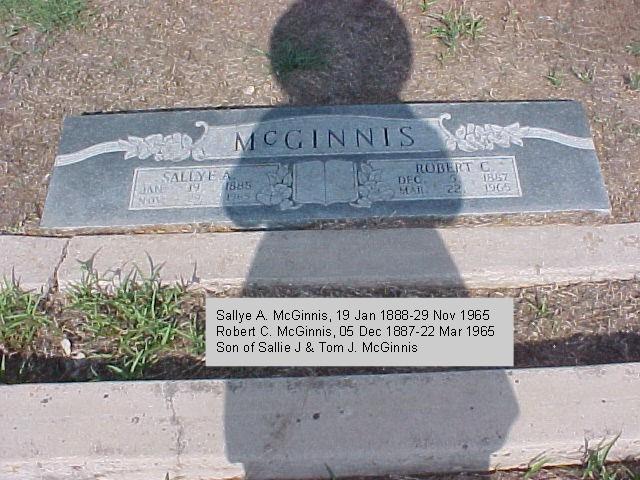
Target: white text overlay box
[(380, 332)]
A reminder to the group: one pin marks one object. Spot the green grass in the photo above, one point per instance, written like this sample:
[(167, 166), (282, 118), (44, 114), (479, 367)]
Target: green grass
[(124, 323), (291, 55), (44, 15), (540, 307), (138, 317), (11, 54), (555, 78), (634, 81), (332, 476), (455, 25), (544, 315), (535, 466), (594, 467), (586, 75), (425, 5), (633, 48), (21, 318)]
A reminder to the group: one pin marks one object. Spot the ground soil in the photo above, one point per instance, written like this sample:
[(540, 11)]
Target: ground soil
[(194, 53), (625, 470), (583, 324)]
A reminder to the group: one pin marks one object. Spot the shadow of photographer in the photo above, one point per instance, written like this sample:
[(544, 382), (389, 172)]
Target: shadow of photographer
[(333, 52)]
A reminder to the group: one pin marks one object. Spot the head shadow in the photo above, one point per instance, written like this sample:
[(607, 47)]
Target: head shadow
[(325, 54), (334, 52)]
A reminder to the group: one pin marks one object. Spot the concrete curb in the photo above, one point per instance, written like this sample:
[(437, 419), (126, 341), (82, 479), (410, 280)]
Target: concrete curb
[(480, 257), (295, 427), (32, 261)]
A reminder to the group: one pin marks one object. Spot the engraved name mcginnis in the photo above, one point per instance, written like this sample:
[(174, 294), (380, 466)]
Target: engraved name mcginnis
[(324, 135)]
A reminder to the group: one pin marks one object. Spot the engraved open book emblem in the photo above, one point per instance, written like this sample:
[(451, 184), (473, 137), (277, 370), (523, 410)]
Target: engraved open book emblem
[(325, 182)]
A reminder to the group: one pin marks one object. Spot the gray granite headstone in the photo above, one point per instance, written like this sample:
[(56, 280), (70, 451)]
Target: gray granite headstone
[(266, 167)]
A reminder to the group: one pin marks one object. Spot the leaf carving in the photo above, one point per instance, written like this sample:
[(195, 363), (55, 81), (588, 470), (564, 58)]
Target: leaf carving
[(280, 191), (371, 188)]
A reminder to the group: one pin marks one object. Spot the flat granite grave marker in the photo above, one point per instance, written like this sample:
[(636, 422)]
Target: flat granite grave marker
[(264, 167)]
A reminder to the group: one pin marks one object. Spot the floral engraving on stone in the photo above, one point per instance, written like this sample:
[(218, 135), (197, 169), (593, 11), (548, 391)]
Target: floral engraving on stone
[(280, 190), (167, 148), (371, 188), (471, 138)]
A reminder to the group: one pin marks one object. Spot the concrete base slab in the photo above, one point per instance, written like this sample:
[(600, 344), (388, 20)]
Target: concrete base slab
[(296, 427), (32, 261), (481, 257)]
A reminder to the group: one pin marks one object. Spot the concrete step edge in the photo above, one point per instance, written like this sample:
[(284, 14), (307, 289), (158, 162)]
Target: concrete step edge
[(295, 427), (473, 257)]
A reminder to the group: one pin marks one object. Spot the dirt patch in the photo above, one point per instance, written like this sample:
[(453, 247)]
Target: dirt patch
[(554, 326), (171, 54), (616, 471)]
